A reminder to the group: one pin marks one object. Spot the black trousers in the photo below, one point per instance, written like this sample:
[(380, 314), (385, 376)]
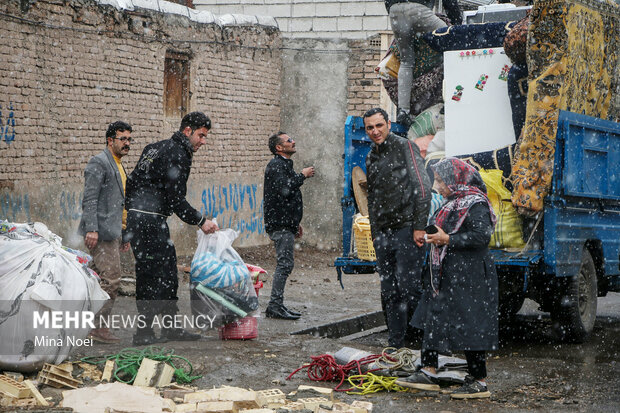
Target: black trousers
[(399, 263), (156, 264), (476, 362)]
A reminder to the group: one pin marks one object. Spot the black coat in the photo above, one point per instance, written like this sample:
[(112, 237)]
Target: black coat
[(282, 202), (158, 183), (399, 189), (463, 316)]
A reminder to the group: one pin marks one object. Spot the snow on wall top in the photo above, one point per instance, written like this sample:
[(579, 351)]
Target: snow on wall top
[(202, 16)]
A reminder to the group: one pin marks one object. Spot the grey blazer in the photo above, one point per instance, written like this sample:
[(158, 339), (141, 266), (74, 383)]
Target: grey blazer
[(104, 198)]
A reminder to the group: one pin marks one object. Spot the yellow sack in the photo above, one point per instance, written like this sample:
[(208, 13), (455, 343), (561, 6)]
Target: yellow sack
[(508, 227)]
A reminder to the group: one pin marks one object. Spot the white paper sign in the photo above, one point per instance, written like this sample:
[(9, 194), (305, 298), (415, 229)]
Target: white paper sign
[(478, 114)]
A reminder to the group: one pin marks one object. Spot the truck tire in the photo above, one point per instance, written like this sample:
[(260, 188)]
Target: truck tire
[(574, 313)]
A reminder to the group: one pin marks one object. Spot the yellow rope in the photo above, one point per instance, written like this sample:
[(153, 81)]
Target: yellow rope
[(369, 383)]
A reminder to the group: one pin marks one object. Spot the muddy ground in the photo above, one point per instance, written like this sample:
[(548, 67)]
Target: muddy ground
[(530, 372)]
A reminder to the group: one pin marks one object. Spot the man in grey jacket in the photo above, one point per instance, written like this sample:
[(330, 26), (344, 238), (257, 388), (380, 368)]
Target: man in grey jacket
[(104, 217), (399, 194)]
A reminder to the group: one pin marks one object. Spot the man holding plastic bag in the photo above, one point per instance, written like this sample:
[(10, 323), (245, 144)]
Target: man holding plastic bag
[(156, 188)]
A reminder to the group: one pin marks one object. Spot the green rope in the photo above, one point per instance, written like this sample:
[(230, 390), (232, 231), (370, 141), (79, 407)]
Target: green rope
[(128, 362)]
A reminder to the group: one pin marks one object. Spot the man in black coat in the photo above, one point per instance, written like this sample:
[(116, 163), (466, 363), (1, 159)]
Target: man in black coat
[(399, 194), (155, 190), (283, 209)]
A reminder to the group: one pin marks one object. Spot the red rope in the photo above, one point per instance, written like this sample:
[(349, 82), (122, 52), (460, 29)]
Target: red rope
[(325, 368)]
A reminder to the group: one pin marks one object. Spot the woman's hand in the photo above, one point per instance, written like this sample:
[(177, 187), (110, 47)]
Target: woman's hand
[(439, 238)]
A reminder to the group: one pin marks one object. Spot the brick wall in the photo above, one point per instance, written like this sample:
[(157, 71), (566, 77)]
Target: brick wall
[(364, 85), (65, 84), (68, 68), (348, 19)]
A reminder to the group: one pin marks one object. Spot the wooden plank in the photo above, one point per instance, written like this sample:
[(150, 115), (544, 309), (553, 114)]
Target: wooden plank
[(35, 392), (153, 374), (108, 370)]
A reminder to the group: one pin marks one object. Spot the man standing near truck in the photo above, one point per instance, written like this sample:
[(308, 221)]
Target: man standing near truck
[(155, 190), (399, 194), (283, 210)]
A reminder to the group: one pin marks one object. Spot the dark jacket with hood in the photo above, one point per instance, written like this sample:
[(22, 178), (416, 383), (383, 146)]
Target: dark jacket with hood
[(282, 202), (399, 189), (159, 181)]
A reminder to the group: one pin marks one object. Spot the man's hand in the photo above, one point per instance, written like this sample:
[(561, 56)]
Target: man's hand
[(209, 227), (90, 239), (440, 238), (308, 172), (124, 247), (418, 237), (300, 232)]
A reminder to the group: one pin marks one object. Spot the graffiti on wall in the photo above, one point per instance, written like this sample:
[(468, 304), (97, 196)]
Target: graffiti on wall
[(70, 205), (14, 207), (7, 124), (235, 206), (17, 207), (229, 203)]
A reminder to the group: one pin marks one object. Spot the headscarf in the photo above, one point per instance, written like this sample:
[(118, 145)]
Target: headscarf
[(468, 189)]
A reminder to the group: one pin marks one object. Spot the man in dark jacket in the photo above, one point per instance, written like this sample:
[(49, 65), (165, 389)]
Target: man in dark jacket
[(155, 190), (283, 210), (399, 194)]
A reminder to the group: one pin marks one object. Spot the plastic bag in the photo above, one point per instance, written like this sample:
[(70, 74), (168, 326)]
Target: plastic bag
[(217, 267), (389, 65), (428, 122), (216, 264), (38, 275), (508, 232)]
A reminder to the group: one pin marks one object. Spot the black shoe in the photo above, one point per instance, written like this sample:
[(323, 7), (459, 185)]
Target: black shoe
[(179, 334), (404, 118), (472, 389), (280, 312), (146, 339), (420, 381), (292, 312)]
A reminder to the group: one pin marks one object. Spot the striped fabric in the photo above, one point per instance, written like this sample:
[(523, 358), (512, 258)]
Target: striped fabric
[(436, 203), (208, 270)]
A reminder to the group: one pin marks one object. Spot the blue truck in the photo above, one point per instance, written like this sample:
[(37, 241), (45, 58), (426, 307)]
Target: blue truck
[(577, 256)]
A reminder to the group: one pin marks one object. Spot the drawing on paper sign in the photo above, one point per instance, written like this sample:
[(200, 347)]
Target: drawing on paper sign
[(504, 74), (458, 93), (484, 115), (481, 82)]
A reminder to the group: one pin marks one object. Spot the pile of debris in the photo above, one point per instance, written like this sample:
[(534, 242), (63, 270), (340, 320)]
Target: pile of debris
[(152, 391)]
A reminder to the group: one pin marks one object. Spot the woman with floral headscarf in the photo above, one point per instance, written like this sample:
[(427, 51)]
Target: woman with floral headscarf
[(459, 308)]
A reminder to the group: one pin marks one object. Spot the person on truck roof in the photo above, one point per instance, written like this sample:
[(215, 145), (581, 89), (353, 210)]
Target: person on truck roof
[(410, 19)]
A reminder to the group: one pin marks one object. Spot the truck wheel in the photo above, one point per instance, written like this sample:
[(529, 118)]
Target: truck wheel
[(575, 311)]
